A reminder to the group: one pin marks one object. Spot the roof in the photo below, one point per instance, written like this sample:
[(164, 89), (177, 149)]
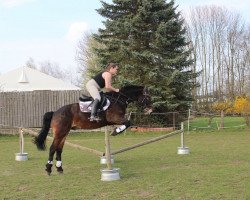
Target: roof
[(28, 79)]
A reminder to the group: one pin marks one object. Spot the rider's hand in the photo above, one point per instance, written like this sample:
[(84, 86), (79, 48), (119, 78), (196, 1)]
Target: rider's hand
[(117, 90)]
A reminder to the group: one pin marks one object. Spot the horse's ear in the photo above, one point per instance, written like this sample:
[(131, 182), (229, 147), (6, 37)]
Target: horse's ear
[(145, 90)]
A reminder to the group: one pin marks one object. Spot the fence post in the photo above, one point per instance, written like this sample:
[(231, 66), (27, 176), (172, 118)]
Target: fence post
[(173, 120), (188, 120)]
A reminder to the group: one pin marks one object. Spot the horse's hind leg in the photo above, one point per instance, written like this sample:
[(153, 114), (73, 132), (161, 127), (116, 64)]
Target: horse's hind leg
[(49, 165), (59, 161), (59, 156), (56, 146)]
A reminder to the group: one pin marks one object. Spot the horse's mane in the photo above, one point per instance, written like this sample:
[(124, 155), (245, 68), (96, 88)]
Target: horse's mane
[(127, 88)]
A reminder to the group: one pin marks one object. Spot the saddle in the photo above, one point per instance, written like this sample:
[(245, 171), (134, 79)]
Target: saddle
[(85, 103)]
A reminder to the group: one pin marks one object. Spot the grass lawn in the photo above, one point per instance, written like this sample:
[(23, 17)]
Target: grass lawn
[(217, 168), (230, 122)]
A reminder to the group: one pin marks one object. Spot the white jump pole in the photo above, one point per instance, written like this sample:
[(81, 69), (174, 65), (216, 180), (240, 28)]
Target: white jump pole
[(21, 156), (183, 149), (109, 174)]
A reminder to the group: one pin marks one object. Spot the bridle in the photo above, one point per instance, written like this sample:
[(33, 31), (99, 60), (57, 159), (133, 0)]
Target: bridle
[(120, 98), (145, 97)]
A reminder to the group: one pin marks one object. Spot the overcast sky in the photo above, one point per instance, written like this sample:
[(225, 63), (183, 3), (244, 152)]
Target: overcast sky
[(47, 30)]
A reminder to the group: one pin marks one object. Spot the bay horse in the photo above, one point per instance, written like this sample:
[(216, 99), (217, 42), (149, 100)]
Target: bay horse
[(71, 117)]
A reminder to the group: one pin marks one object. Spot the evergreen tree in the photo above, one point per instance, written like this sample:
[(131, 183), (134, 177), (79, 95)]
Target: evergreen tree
[(147, 39)]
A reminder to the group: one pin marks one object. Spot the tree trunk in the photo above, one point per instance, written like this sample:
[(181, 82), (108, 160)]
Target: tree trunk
[(222, 119)]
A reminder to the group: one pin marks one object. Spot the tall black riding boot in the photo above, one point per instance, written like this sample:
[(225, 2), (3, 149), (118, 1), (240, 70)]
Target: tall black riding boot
[(93, 116)]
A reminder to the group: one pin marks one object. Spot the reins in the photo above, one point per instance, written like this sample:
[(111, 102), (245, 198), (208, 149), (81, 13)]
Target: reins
[(128, 99), (119, 99)]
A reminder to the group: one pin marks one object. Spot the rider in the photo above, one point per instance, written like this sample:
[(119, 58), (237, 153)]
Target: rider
[(100, 81)]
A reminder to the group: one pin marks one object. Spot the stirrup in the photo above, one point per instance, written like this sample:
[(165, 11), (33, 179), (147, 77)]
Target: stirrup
[(94, 118)]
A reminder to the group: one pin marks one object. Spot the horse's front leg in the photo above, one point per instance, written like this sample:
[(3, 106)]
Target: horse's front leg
[(121, 128)]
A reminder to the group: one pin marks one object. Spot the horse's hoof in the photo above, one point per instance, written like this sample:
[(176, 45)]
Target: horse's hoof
[(48, 171), (48, 168), (114, 133), (60, 170)]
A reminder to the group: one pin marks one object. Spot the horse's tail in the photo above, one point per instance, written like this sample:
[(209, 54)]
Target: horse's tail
[(39, 140)]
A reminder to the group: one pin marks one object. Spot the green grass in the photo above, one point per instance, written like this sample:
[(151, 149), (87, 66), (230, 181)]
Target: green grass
[(229, 123), (217, 168)]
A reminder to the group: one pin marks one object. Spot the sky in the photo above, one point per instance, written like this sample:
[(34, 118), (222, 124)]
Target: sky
[(48, 30)]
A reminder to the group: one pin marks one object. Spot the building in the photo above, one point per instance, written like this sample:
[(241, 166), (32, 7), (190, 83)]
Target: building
[(26, 94), (28, 79)]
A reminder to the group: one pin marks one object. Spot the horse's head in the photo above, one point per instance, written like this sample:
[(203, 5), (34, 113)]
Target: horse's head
[(139, 94)]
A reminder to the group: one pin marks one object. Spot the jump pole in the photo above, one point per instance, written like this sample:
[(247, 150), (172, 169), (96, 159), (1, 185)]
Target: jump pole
[(21, 156), (96, 152), (109, 174), (181, 150), (146, 142)]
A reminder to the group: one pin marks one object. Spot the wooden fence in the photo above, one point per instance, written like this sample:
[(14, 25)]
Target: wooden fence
[(26, 109)]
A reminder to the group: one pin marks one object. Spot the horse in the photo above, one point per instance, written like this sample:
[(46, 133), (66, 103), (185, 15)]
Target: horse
[(71, 117)]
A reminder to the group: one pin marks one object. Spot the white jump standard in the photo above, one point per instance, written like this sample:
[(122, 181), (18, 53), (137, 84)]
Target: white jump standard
[(183, 149), (103, 160), (109, 174), (21, 156)]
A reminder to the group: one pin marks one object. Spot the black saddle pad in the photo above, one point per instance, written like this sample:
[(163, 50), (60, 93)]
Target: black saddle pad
[(85, 98)]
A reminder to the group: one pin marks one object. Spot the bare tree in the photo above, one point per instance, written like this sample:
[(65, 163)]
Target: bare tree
[(69, 75), (52, 69), (221, 50), (86, 57), (31, 63)]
